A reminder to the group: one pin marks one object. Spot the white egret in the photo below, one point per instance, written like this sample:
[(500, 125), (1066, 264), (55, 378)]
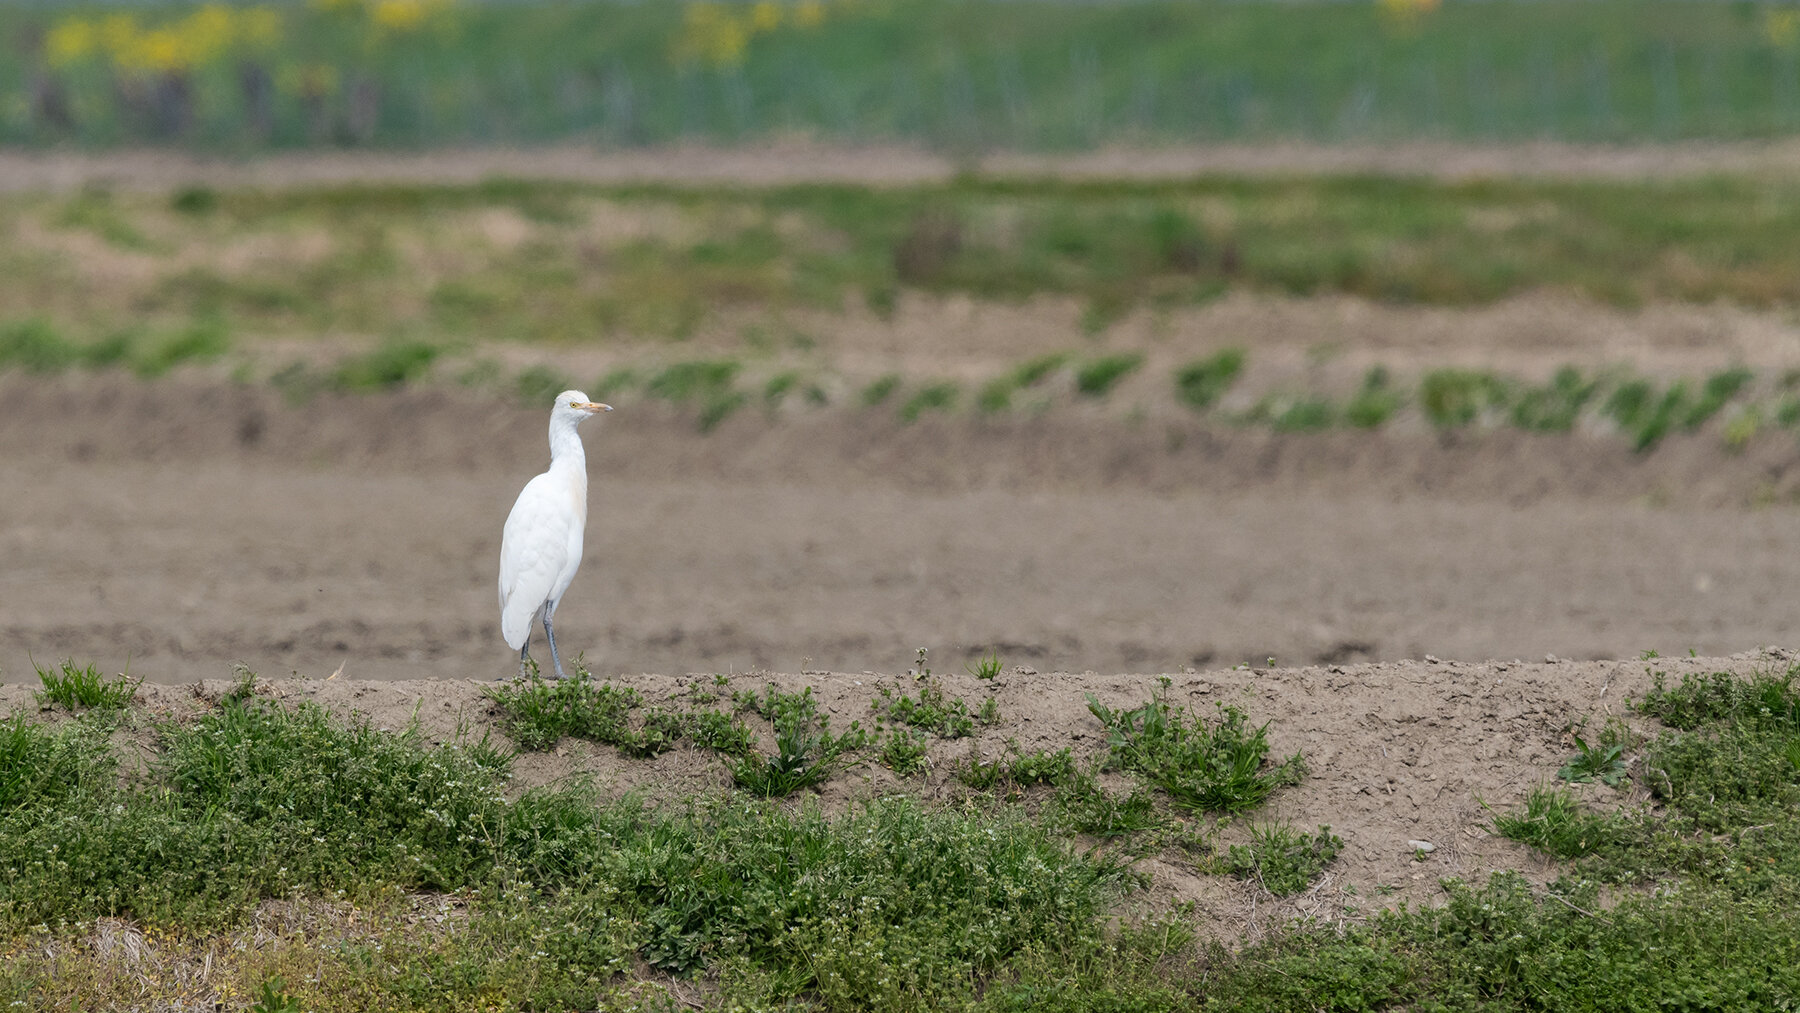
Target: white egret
[(540, 549)]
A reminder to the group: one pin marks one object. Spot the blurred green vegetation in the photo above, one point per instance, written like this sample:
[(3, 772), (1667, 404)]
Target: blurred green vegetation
[(955, 75), (567, 263)]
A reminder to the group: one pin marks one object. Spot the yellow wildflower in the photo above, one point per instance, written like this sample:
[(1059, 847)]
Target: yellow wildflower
[(206, 33), (160, 49), (809, 13), (1405, 15), (765, 16), (1781, 26), (71, 41), (711, 34), (397, 15)]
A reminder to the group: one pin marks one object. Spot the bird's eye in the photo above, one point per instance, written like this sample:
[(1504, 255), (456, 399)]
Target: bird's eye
[(574, 404)]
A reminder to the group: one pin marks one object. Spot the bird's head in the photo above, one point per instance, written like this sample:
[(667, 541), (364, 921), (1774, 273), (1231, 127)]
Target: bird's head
[(576, 406)]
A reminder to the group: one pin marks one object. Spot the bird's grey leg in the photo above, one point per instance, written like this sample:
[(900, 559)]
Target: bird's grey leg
[(524, 656), (550, 609)]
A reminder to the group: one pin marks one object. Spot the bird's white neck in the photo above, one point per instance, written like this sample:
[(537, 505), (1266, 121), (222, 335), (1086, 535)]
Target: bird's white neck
[(565, 445)]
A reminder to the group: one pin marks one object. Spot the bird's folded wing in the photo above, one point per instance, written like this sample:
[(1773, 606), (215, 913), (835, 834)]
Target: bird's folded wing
[(532, 548)]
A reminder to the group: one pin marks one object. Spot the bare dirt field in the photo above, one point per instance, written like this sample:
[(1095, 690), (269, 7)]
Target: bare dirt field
[(798, 160), (1397, 752), (181, 526)]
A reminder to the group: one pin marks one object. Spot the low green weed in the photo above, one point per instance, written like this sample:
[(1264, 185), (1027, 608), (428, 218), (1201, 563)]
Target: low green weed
[(987, 666), (932, 710), (1554, 822), (933, 397), (692, 381), (1604, 762), (772, 902), (1303, 415), (536, 385), (1096, 378), (806, 753), (903, 751), (995, 396), (1505, 946), (538, 713), (1455, 398), (1020, 768), (1283, 860), (1032, 372), (204, 340), (85, 687), (44, 767), (274, 998), (36, 347), (721, 732), (1715, 393), (1644, 415), (707, 383), (1554, 407), (394, 364), (879, 390), (1767, 699), (1375, 402), (1221, 766), (658, 732), (1727, 777), (1201, 383), (1086, 807)]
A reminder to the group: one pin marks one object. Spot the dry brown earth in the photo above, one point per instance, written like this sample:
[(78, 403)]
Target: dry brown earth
[(796, 160), (181, 526)]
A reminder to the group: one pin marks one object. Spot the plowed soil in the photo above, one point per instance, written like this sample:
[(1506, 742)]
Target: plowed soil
[(181, 526)]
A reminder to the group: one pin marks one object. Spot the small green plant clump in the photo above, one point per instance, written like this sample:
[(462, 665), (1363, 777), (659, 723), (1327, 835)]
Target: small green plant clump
[(931, 710), (84, 687), (1768, 699), (987, 666), (806, 753), (1604, 761), (1454, 398), (1218, 766), (1020, 768), (905, 752), (1726, 778), (538, 713), (1088, 808), (1283, 860), (1554, 822), (1375, 402), (710, 384), (933, 397), (394, 364), (1096, 378), (1201, 383)]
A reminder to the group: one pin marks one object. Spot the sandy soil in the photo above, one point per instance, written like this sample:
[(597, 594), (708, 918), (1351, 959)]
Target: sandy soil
[(182, 526), (798, 161), (1398, 752)]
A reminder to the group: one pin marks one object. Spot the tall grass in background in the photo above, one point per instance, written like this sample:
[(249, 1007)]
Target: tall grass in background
[(955, 75)]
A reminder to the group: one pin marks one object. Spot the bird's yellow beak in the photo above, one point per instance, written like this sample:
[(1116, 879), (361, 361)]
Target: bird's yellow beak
[(595, 407)]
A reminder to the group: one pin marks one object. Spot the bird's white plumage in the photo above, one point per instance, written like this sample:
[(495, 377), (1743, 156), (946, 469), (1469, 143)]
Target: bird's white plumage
[(540, 547)]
